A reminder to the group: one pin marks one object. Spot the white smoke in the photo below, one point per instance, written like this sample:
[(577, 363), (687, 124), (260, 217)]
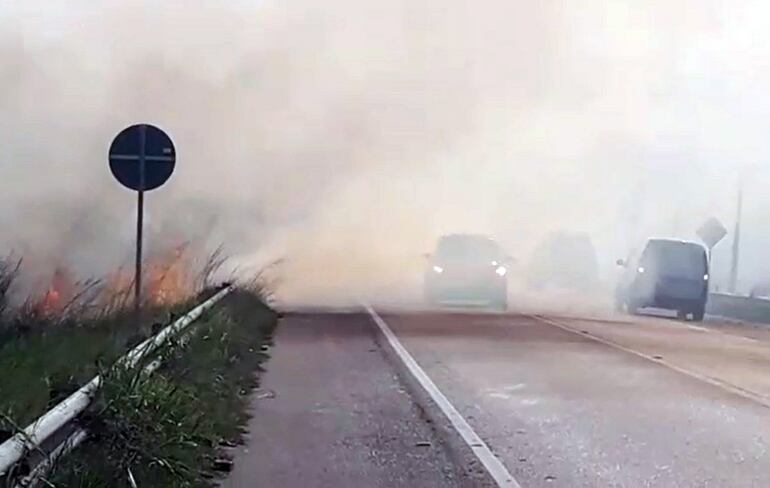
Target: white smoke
[(346, 136)]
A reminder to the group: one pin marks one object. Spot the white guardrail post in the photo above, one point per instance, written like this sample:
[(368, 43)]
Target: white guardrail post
[(15, 448)]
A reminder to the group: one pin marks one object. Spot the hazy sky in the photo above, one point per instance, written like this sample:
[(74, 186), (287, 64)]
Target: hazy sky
[(348, 135)]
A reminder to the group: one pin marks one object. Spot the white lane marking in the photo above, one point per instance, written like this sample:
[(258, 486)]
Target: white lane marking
[(735, 389), (494, 466), (728, 334), (500, 395), (505, 393), (707, 330)]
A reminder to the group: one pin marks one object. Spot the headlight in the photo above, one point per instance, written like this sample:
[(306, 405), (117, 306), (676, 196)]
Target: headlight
[(438, 269), (640, 270), (500, 270), (705, 277)]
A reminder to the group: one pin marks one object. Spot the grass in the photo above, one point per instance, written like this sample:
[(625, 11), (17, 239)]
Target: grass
[(168, 430), (164, 430), (47, 356), (48, 360)]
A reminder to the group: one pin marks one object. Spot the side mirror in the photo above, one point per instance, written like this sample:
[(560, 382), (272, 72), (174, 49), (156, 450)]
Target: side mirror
[(427, 255), (621, 263)]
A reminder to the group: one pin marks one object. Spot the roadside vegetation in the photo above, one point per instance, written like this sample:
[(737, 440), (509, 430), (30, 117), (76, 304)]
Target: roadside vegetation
[(44, 361), (53, 342), (173, 428), (168, 429)]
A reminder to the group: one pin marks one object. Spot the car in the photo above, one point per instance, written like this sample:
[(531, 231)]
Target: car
[(467, 269), (564, 260), (669, 274)]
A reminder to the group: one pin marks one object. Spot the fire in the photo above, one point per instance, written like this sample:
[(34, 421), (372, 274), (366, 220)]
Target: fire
[(58, 295), (169, 279), (118, 288)]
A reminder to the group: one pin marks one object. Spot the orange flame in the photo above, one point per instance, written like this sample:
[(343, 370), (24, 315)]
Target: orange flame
[(59, 293), (169, 280), (118, 288)]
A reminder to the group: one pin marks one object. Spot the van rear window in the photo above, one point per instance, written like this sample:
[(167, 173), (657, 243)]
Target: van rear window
[(675, 258)]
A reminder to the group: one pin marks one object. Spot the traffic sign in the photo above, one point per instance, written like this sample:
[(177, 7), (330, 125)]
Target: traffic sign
[(711, 232), (142, 157)]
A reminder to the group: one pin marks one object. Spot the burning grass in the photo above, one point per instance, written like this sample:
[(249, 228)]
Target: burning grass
[(57, 339), (166, 430)]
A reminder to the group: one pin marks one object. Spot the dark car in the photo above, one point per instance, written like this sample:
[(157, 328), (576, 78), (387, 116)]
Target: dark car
[(564, 260), (467, 269), (669, 274)]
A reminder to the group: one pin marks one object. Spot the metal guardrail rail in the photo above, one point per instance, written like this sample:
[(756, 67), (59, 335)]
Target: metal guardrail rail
[(17, 447), (740, 307)]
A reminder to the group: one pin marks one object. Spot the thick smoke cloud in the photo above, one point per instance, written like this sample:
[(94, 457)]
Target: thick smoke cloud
[(346, 136)]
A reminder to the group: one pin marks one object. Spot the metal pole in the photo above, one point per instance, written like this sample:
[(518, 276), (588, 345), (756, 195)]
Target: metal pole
[(140, 224), (736, 240), (138, 269)]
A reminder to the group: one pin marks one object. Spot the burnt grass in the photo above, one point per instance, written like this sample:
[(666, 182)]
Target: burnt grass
[(173, 428)]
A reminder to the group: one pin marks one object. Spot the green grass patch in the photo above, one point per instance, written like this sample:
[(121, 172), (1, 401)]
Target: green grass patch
[(44, 361), (169, 429)]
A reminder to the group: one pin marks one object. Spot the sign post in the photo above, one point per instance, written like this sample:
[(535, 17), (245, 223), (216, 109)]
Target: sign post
[(711, 232), (142, 158), (736, 240), (139, 240)]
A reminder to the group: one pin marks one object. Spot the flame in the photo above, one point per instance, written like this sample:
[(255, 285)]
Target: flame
[(118, 288), (59, 293), (169, 280)]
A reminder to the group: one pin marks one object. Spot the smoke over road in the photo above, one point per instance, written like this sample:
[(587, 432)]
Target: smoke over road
[(346, 136)]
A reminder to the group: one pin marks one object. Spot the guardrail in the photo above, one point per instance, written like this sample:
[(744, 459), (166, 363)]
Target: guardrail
[(16, 448), (739, 307)]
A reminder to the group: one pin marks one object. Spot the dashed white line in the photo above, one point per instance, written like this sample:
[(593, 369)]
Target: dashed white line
[(707, 330), (492, 464), (735, 389)]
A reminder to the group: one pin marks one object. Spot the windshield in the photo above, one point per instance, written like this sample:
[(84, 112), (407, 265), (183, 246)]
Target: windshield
[(675, 259), (467, 249)]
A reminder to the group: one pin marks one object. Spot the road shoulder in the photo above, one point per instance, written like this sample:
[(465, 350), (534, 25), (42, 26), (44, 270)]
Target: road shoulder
[(333, 411)]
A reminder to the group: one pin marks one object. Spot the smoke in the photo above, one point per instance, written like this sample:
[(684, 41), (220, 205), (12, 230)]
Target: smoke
[(346, 136)]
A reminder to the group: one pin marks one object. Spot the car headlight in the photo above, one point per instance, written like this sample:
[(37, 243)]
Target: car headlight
[(438, 269), (705, 277), (640, 270), (500, 270)]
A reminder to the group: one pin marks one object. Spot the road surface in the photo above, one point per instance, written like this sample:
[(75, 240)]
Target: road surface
[(560, 401), (333, 412)]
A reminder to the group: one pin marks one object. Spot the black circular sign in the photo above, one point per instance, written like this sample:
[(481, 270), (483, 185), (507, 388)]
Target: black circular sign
[(142, 157)]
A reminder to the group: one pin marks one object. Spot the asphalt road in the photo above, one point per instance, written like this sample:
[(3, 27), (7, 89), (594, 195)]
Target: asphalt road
[(597, 403), (333, 412), (562, 401)]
